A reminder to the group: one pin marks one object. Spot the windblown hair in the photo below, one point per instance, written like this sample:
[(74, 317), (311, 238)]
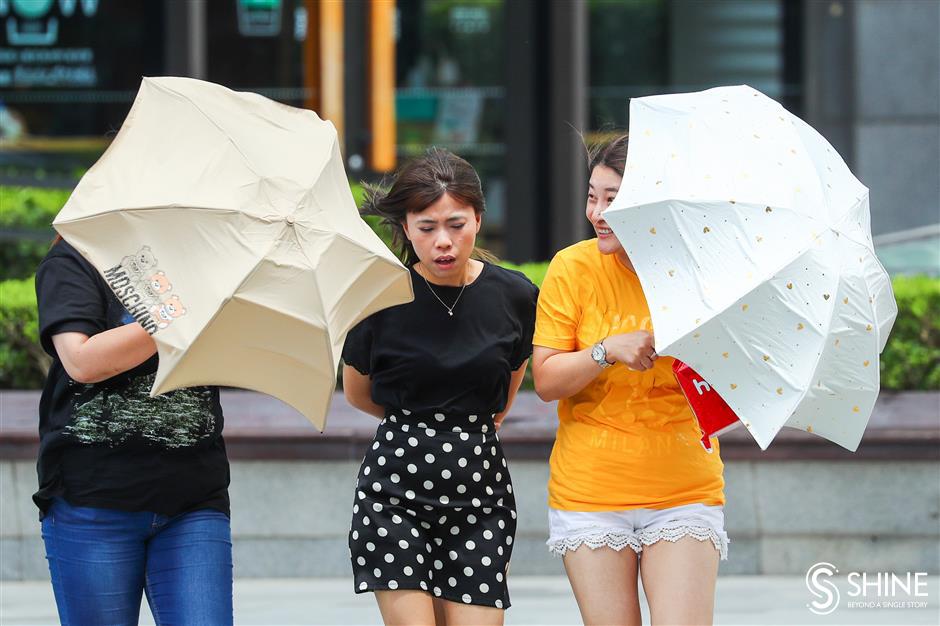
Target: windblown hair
[(611, 153), (417, 185)]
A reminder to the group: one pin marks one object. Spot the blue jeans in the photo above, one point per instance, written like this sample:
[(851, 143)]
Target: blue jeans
[(101, 560)]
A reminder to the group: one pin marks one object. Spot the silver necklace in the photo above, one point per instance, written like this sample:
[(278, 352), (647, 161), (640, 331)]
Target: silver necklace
[(450, 309)]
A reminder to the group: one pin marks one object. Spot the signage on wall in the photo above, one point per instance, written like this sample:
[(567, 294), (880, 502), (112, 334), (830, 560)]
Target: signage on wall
[(469, 20), (259, 18), (458, 116), (29, 56)]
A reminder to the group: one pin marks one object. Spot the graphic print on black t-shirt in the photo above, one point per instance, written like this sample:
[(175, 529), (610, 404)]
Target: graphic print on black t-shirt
[(114, 414), (121, 410)]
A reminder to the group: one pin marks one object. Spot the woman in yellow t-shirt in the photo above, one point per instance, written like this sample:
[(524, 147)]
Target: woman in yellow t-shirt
[(628, 469)]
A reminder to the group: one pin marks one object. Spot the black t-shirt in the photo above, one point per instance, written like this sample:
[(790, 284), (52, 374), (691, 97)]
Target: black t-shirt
[(422, 359), (109, 444)]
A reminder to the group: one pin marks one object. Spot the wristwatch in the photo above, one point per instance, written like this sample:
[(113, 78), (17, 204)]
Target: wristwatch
[(599, 354)]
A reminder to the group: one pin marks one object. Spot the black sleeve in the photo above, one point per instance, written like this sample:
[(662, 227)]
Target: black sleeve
[(357, 351), (523, 348), (69, 299)]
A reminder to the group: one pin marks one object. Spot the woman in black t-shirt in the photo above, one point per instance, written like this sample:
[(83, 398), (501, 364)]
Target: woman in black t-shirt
[(434, 514), (133, 490)]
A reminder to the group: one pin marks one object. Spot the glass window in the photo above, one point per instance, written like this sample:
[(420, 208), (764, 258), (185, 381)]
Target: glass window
[(450, 92), (257, 45), (644, 47), (70, 70)]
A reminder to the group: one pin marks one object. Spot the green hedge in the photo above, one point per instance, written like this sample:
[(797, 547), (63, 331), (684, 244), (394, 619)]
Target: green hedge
[(23, 363), (26, 215), (911, 359), (30, 207), (535, 271)]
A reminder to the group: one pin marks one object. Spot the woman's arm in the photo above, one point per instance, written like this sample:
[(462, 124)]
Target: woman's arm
[(559, 374), (358, 391), (106, 354), (514, 382)]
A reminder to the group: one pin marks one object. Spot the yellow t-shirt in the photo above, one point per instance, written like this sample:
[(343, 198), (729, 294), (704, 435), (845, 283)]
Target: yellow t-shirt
[(629, 439)]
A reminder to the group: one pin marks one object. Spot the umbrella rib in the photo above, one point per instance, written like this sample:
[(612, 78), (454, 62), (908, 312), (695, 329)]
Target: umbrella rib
[(83, 218), (847, 234), (394, 264), (823, 194), (763, 279), (248, 276), (350, 240), (333, 138), (254, 269), (829, 317), (316, 285), (228, 137), (385, 286), (832, 308), (834, 304), (225, 301), (817, 178)]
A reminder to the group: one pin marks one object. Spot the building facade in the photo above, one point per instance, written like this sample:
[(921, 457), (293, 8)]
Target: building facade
[(515, 86)]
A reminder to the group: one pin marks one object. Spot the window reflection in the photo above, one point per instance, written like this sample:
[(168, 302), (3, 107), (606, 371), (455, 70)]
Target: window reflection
[(644, 47), (450, 90)]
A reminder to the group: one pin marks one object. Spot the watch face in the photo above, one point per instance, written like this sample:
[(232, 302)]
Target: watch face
[(598, 353)]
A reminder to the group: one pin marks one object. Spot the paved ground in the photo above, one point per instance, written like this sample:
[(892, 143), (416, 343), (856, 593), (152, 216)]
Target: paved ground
[(536, 600)]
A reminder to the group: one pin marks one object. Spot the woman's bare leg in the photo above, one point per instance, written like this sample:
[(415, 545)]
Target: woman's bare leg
[(457, 614), (679, 580), (406, 607), (604, 582), (440, 618)]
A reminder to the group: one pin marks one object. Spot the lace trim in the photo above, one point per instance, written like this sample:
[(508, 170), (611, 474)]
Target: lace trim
[(619, 540), (596, 539), (675, 533)]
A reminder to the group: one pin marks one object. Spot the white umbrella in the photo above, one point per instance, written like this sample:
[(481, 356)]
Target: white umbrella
[(225, 224), (752, 241)]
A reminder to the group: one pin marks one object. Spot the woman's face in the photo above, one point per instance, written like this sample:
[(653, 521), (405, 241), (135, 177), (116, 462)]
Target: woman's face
[(602, 189), (443, 236)]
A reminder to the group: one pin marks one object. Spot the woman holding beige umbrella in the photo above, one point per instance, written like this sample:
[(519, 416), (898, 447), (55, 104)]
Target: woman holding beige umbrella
[(628, 474), (133, 490), (434, 513)]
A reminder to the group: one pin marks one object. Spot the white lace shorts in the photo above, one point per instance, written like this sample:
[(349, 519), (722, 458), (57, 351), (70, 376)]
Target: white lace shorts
[(569, 530)]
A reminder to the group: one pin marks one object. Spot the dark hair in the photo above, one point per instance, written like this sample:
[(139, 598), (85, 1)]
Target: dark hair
[(610, 153), (417, 185)]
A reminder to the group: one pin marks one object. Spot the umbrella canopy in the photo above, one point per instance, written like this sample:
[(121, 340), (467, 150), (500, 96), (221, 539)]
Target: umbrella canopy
[(225, 224), (752, 241)]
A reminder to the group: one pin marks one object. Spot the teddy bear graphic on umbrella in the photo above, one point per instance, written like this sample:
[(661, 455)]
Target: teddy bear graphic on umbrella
[(153, 286)]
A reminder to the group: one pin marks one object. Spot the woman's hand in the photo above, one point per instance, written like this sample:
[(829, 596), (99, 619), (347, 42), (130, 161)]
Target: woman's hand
[(635, 350)]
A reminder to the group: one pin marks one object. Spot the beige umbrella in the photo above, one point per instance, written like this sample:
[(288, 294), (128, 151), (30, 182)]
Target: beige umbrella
[(224, 223)]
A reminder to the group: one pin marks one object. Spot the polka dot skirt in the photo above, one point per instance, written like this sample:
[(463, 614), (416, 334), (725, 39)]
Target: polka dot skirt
[(434, 510)]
